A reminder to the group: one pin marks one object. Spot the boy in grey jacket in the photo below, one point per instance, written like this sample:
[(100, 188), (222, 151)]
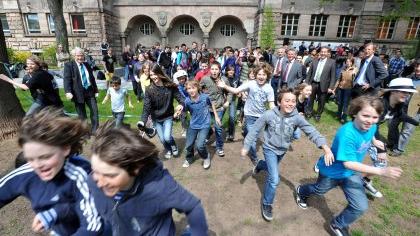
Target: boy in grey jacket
[(279, 124)]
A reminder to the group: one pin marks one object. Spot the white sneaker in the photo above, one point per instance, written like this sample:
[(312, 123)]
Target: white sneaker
[(186, 164), (316, 169), (370, 189), (207, 162), (168, 155), (174, 150)]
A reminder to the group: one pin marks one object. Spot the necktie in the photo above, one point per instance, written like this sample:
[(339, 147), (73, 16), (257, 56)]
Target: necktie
[(319, 71), (84, 78), (284, 77), (278, 67)]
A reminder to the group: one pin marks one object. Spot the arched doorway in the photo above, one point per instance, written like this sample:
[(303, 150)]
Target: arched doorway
[(184, 29), (227, 31), (142, 29)]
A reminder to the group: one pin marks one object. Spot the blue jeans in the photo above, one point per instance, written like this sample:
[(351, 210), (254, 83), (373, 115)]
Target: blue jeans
[(219, 130), (164, 131), (353, 190), (271, 165), (199, 137), (232, 117), (126, 73), (119, 117), (344, 96), (406, 133), (34, 108), (249, 122)]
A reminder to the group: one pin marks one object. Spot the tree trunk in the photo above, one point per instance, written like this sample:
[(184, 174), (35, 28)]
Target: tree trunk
[(56, 10), (11, 112)]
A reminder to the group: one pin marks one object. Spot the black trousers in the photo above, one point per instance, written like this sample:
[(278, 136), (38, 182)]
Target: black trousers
[(93, 108), (320, 97)]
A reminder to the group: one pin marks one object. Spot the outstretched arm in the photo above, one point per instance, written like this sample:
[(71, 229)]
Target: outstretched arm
[(10, 81)]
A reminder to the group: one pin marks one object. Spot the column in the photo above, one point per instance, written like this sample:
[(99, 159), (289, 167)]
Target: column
[(123, 41)]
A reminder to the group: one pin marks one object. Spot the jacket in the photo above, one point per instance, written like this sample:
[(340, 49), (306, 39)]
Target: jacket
[(146, 208), (278, 131), (64, 204), (218, 96), (73, 83)]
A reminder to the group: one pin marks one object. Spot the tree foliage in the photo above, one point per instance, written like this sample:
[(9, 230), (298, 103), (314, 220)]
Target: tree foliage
[(268, 29)]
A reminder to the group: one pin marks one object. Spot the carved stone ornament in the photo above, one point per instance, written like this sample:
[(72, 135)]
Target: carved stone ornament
[(162, 18), (206, 18)]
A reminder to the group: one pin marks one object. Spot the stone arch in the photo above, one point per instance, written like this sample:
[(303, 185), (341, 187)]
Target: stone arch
[(236, 40), (175, 37), (135, 35)]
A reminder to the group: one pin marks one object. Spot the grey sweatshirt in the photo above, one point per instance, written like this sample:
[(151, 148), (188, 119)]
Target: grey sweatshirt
[(278, 131), (217, 95)]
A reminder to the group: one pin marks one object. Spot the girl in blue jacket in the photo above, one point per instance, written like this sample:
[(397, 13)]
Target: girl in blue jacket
[(132, 190), (54, 178)]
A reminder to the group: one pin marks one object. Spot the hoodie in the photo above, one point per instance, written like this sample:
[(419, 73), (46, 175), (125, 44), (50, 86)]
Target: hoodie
[(278, 131)]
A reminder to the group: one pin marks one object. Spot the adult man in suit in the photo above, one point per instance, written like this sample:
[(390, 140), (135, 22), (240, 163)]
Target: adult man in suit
[(277, 62), (371, 74), (321, 76), (291, 74), (80, 87)]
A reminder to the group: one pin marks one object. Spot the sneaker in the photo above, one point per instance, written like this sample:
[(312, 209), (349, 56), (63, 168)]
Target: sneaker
[(168, 155), (184, 133), (207, 162), (300, 201), (316, 169), (220, 153), (339, 231), (256, 170), (230, 138), (370, 189), (174, 150), (267, 212), (395, 153), (186, 164)]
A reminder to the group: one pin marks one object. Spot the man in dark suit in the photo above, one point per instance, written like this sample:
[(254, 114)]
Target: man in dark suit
[(277, 62), (80, 87), (321, 76), (291, 74), (371, 74)]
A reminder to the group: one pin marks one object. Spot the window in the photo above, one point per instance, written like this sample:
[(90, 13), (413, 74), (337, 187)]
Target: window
[(32, 22), (186, 29), (318, 25), (413, 31), (51, 24), (4, 23), (385, 29), (78, 24), (147, 29), (228, 30), (346, 26), (289, 24)]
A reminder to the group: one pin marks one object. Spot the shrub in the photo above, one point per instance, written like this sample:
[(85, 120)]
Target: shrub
[(48, 54), (21, 56), (11, 54)]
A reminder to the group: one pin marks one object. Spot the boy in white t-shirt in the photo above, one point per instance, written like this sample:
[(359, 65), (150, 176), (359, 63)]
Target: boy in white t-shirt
[(117, 95)]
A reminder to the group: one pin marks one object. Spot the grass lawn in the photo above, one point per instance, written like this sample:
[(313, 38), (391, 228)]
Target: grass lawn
[(397, 214)]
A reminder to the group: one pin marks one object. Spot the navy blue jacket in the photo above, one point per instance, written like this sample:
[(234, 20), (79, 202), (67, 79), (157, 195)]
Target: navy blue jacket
[(146, 209), (63, 204)]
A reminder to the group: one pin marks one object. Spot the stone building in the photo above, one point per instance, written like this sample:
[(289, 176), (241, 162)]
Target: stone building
[(27, 24)]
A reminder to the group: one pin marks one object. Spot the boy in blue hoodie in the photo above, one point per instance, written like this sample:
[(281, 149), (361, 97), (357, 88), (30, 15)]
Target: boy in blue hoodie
[(278, 125)]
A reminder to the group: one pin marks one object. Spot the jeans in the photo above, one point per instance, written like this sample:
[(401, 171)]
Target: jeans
[(34, 108), (126, 72), (353, 190), (271, 165), (119, 117), (219, 130), (275, 84), (344, 96), (164, 131), (249, 122), (232, 117), (93, 107), (406, 132), (199, 137)]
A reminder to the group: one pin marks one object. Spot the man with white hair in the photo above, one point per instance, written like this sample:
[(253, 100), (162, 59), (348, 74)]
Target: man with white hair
[(80, 87)]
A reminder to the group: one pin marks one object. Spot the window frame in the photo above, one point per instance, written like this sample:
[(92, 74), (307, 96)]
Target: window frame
[(4, 16), (50, 22), (147, 30), (287, 27), (183, 27), (228, 30), (318, 25), (346, 26), (409, 35), (77, 31), (385, 25), (32, 30)]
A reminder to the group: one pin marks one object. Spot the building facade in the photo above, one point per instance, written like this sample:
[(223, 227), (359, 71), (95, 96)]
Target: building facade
[(27, 24)]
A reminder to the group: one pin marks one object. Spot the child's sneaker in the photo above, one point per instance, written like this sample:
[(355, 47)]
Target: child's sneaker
[(168, 155), (186, 164), (367, 183), (220, 153), (207, 162), (300, 201), (174, 150), (339, 231), (316, 169), (267, 212)]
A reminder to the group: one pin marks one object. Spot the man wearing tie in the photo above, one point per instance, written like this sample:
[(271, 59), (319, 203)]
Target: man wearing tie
[(277, 63), (371, 74), (80, 86), (291, 73), (321, 76)]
